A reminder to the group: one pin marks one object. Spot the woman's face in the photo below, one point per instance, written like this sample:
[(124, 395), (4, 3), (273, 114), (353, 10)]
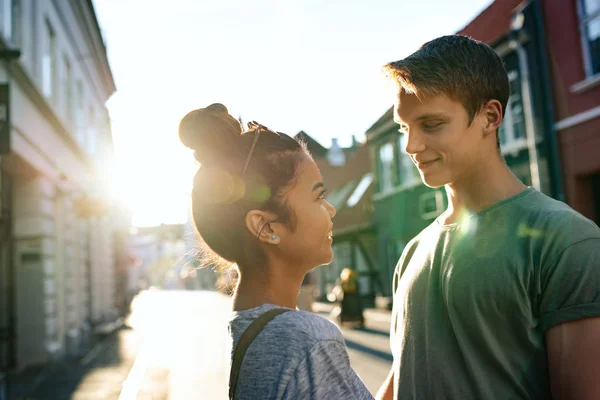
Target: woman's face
[(309, 244)]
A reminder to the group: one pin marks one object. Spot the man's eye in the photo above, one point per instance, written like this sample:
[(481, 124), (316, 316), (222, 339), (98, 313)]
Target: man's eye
[(432, 127), (322, 195)]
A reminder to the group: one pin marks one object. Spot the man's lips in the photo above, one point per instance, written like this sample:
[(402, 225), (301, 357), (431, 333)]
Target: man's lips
[(425, 164)]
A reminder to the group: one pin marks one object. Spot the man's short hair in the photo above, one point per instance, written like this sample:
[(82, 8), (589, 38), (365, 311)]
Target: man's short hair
[(464, 69)]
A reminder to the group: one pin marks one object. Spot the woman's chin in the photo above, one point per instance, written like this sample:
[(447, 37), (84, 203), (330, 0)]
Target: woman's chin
[(328, 259)]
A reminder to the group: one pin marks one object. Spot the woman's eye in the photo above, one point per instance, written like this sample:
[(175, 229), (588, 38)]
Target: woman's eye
[(322, 195)]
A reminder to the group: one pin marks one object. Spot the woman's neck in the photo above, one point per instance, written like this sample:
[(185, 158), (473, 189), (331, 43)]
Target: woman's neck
[(269, 286)]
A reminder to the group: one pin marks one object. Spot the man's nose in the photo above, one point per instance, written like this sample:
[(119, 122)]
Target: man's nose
[(413, 142)]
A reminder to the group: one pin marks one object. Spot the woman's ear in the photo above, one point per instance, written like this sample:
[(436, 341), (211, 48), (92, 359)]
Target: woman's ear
[(260, 224)]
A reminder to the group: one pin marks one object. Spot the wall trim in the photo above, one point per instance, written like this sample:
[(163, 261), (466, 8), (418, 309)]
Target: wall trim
[(578, 118)]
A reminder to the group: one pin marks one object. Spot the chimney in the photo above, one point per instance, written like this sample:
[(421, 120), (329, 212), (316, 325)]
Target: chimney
[(335, 155)]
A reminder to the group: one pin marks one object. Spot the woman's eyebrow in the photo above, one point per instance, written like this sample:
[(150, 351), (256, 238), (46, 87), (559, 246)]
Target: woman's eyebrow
[(317, 186)]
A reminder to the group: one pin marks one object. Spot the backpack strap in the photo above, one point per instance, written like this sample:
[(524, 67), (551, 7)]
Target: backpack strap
[(245, 340)]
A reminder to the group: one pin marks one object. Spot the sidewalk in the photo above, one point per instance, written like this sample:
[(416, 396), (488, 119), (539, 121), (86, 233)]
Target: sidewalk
[(374, 314), (59, 379)]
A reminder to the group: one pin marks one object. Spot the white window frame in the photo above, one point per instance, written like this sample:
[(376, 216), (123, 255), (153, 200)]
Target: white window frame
[(407, 169), (386, 185), (512, 145), (439, 204), (583, 22)]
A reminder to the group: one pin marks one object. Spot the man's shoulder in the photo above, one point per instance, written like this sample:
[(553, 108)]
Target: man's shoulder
[(551, 219)]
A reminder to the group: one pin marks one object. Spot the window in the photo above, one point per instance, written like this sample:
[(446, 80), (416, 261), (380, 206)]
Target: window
[(16, 26), (339, 196), (387, 168), (512, 130), (408, 170), (91, 132), (6, 15), (431, 204), (68, 90), (49, 62), (79, 113), (360, 190), (589, 17)]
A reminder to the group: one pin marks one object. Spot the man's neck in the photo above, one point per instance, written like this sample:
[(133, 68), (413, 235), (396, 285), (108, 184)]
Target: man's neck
[(271, 285), (482, 189)]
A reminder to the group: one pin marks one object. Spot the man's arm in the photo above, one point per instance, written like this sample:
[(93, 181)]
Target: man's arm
[(386, 392), (574, 359)]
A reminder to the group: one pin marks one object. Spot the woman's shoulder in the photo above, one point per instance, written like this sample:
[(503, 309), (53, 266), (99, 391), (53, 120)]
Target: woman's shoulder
[(310, 326), (290, 328)]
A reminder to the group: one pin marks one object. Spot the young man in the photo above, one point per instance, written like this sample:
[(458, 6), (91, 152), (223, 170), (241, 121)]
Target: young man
[(499, 298)]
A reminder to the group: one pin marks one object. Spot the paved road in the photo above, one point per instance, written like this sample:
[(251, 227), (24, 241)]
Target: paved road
[(177, 349)]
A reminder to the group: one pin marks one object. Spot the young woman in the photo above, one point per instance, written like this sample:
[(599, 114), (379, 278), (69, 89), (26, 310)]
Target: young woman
[(258, 202)]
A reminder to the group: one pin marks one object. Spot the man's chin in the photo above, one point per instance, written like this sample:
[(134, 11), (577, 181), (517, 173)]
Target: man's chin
[(434, 179), (433, 183)]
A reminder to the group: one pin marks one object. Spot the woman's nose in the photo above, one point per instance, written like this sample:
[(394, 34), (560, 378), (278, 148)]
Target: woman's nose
[(332, 210)]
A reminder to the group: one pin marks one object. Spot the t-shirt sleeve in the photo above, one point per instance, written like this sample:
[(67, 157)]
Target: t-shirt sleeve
[(325, 373), (571, 284)]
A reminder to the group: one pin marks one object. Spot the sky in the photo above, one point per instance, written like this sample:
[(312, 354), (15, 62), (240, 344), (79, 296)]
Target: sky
[(291, 65)]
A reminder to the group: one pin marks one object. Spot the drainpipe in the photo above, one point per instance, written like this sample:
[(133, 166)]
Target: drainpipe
[(514, 44), (6, 223), (555, 170)]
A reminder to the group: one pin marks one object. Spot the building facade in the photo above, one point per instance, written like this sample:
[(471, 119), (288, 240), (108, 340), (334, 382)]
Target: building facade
[(560, 41), (572, 30), (59, 269)]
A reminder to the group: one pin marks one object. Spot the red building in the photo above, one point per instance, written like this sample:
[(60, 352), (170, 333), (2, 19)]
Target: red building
[(561, 40)]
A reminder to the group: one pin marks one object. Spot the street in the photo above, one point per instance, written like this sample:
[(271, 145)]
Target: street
[(175, 347)]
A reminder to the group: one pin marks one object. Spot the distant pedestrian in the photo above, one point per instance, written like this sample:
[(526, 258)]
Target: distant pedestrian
[(258, 201), (347, 294), (499, 298)]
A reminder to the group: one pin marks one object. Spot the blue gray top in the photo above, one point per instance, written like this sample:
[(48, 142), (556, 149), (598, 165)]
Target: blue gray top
[(298, 355)]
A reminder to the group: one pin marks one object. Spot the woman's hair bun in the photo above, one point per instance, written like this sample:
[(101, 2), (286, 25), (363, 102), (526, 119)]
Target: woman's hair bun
[(212, 133)]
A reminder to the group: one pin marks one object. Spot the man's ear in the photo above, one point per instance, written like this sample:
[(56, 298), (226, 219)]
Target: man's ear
[(491, 116), (260, 224)]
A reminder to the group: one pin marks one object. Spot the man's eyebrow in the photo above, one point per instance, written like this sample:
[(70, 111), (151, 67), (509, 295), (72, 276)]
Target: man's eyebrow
[(318, 186), (423, 117), (431, 116)]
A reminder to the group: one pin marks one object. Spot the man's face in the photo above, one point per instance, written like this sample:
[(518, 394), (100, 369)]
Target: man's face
[(439, 140)]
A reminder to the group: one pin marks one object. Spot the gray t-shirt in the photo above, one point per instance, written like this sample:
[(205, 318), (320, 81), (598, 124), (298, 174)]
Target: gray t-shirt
[(476, 299), (298, 355)]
